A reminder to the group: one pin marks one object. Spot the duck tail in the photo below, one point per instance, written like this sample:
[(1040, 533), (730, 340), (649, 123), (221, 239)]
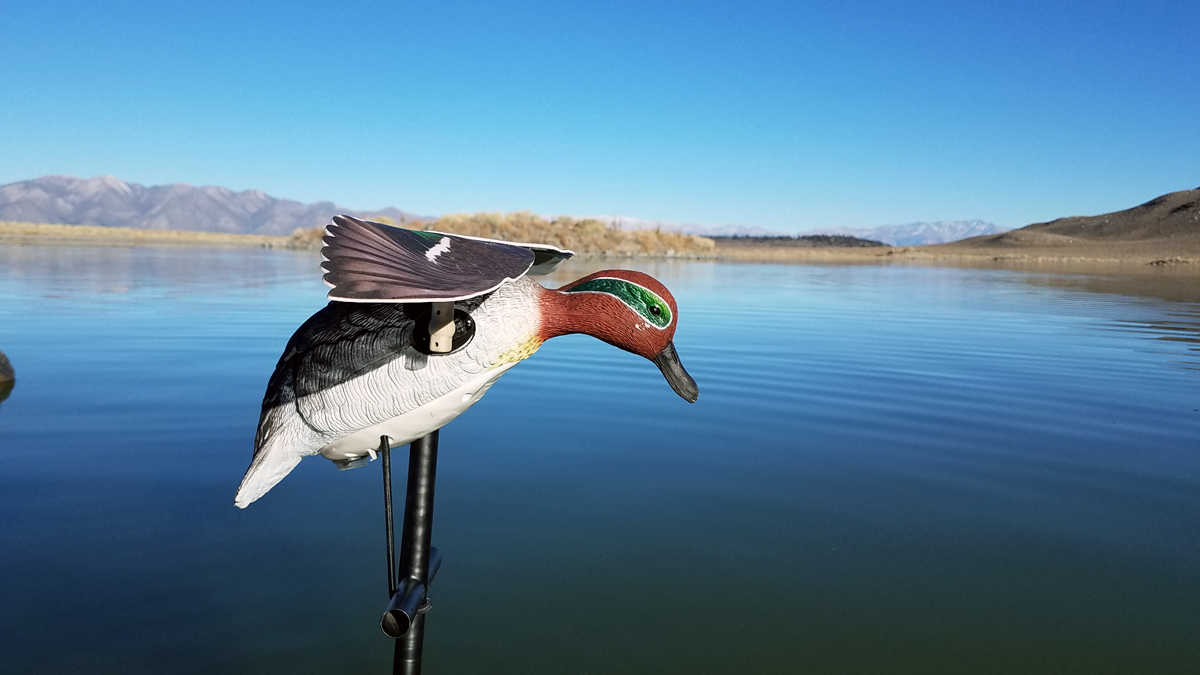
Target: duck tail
[(274, 458), (262, 476)]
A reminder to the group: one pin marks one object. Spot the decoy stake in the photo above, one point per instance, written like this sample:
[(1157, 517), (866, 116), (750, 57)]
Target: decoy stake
[(404, 619)]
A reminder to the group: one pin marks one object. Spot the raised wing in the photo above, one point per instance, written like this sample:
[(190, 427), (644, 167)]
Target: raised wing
[(370, 262), (547, 258)]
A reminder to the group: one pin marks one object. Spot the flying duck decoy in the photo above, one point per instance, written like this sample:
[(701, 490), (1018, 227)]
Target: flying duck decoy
[(419, 326)]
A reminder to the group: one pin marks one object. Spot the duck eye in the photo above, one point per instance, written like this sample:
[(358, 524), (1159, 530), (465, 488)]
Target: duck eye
[(655, 310)]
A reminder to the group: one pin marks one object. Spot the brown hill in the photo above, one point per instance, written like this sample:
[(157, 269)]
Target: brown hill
[(1169, 221), (1162, 232)]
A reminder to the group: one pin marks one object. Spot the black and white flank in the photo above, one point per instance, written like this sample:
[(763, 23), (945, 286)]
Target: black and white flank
[(355, 370)]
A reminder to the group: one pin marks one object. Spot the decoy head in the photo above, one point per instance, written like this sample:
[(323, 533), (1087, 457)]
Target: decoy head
[(629, 310)]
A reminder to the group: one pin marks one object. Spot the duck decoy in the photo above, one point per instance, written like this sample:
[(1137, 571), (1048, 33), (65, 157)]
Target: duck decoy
[(419, 325)]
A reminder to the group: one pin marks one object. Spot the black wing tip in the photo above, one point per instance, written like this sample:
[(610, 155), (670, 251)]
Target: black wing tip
[(344, 220), (348, 221), (350, 228)]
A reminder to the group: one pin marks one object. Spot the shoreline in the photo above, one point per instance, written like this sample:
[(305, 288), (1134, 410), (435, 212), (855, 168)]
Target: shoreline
[(1131, 255), (38, 234), (1121, 257)]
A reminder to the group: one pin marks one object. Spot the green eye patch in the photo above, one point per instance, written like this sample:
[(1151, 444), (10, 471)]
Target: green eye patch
[(642, 300)]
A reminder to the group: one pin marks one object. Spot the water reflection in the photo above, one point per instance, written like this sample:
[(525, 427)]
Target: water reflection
[(893, 469), (64, 271), (1137, 298), (1179, 283)]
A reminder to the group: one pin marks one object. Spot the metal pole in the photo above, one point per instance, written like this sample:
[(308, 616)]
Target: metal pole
[(385, 454), (415, 547), (407, 660)]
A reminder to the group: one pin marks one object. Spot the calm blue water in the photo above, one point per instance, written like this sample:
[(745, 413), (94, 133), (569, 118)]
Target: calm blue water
[(890, 470)]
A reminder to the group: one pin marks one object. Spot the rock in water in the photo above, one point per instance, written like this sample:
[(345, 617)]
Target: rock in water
[(6, 369), (7, 377)]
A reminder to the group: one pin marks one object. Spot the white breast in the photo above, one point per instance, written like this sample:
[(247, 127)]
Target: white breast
[(407, 427), (415, 394)]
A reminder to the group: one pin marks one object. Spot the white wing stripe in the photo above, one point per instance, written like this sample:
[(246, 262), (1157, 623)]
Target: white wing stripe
[(441, 247)]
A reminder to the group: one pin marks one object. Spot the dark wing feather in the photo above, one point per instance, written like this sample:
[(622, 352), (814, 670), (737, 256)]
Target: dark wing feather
[(370, 262), (337, 344), (547, 258)]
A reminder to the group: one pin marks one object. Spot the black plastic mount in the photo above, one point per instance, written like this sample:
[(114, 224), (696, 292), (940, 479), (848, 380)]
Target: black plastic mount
[(408, 584), (464, 328)]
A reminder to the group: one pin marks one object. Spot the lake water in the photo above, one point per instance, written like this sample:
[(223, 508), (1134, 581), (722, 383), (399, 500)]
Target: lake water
[(889, 470)]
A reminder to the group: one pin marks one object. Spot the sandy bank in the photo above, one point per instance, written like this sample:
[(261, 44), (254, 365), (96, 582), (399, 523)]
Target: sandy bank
[(92, 235), (1184, 254), (649, 246)]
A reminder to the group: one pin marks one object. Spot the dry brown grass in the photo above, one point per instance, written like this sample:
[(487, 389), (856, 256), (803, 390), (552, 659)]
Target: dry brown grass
[(95, 235), (581, 236)]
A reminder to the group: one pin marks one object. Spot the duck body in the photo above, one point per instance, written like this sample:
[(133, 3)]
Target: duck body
[(360, 368), (352, 373)]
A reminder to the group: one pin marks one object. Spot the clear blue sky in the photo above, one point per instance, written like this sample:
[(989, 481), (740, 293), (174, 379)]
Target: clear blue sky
[(784, 115)]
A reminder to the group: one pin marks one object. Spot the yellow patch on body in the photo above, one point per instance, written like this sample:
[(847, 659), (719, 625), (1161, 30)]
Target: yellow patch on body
[(519, 353)]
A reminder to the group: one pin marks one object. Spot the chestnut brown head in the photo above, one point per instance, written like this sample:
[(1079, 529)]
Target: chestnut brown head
[(632, 311)]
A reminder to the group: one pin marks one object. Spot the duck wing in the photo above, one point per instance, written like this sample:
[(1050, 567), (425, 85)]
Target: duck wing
[(370, 262), (546, 259)]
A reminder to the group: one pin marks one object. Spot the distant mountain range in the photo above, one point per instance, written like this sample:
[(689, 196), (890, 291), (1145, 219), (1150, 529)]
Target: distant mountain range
[(919, 234), (111, 202), (629, 224), (912, 234)]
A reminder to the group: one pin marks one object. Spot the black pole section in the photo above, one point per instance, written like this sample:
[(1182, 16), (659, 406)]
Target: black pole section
[(415, 546), (385, 453), (407, 660)]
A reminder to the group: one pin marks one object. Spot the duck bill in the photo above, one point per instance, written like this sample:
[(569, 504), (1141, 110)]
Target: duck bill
[(683, 384)]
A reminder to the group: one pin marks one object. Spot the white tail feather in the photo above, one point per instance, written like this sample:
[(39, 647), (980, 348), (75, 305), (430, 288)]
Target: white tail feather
[(267, 469)]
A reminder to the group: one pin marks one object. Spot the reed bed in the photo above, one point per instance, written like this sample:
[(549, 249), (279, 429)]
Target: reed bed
[(585, 236)]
